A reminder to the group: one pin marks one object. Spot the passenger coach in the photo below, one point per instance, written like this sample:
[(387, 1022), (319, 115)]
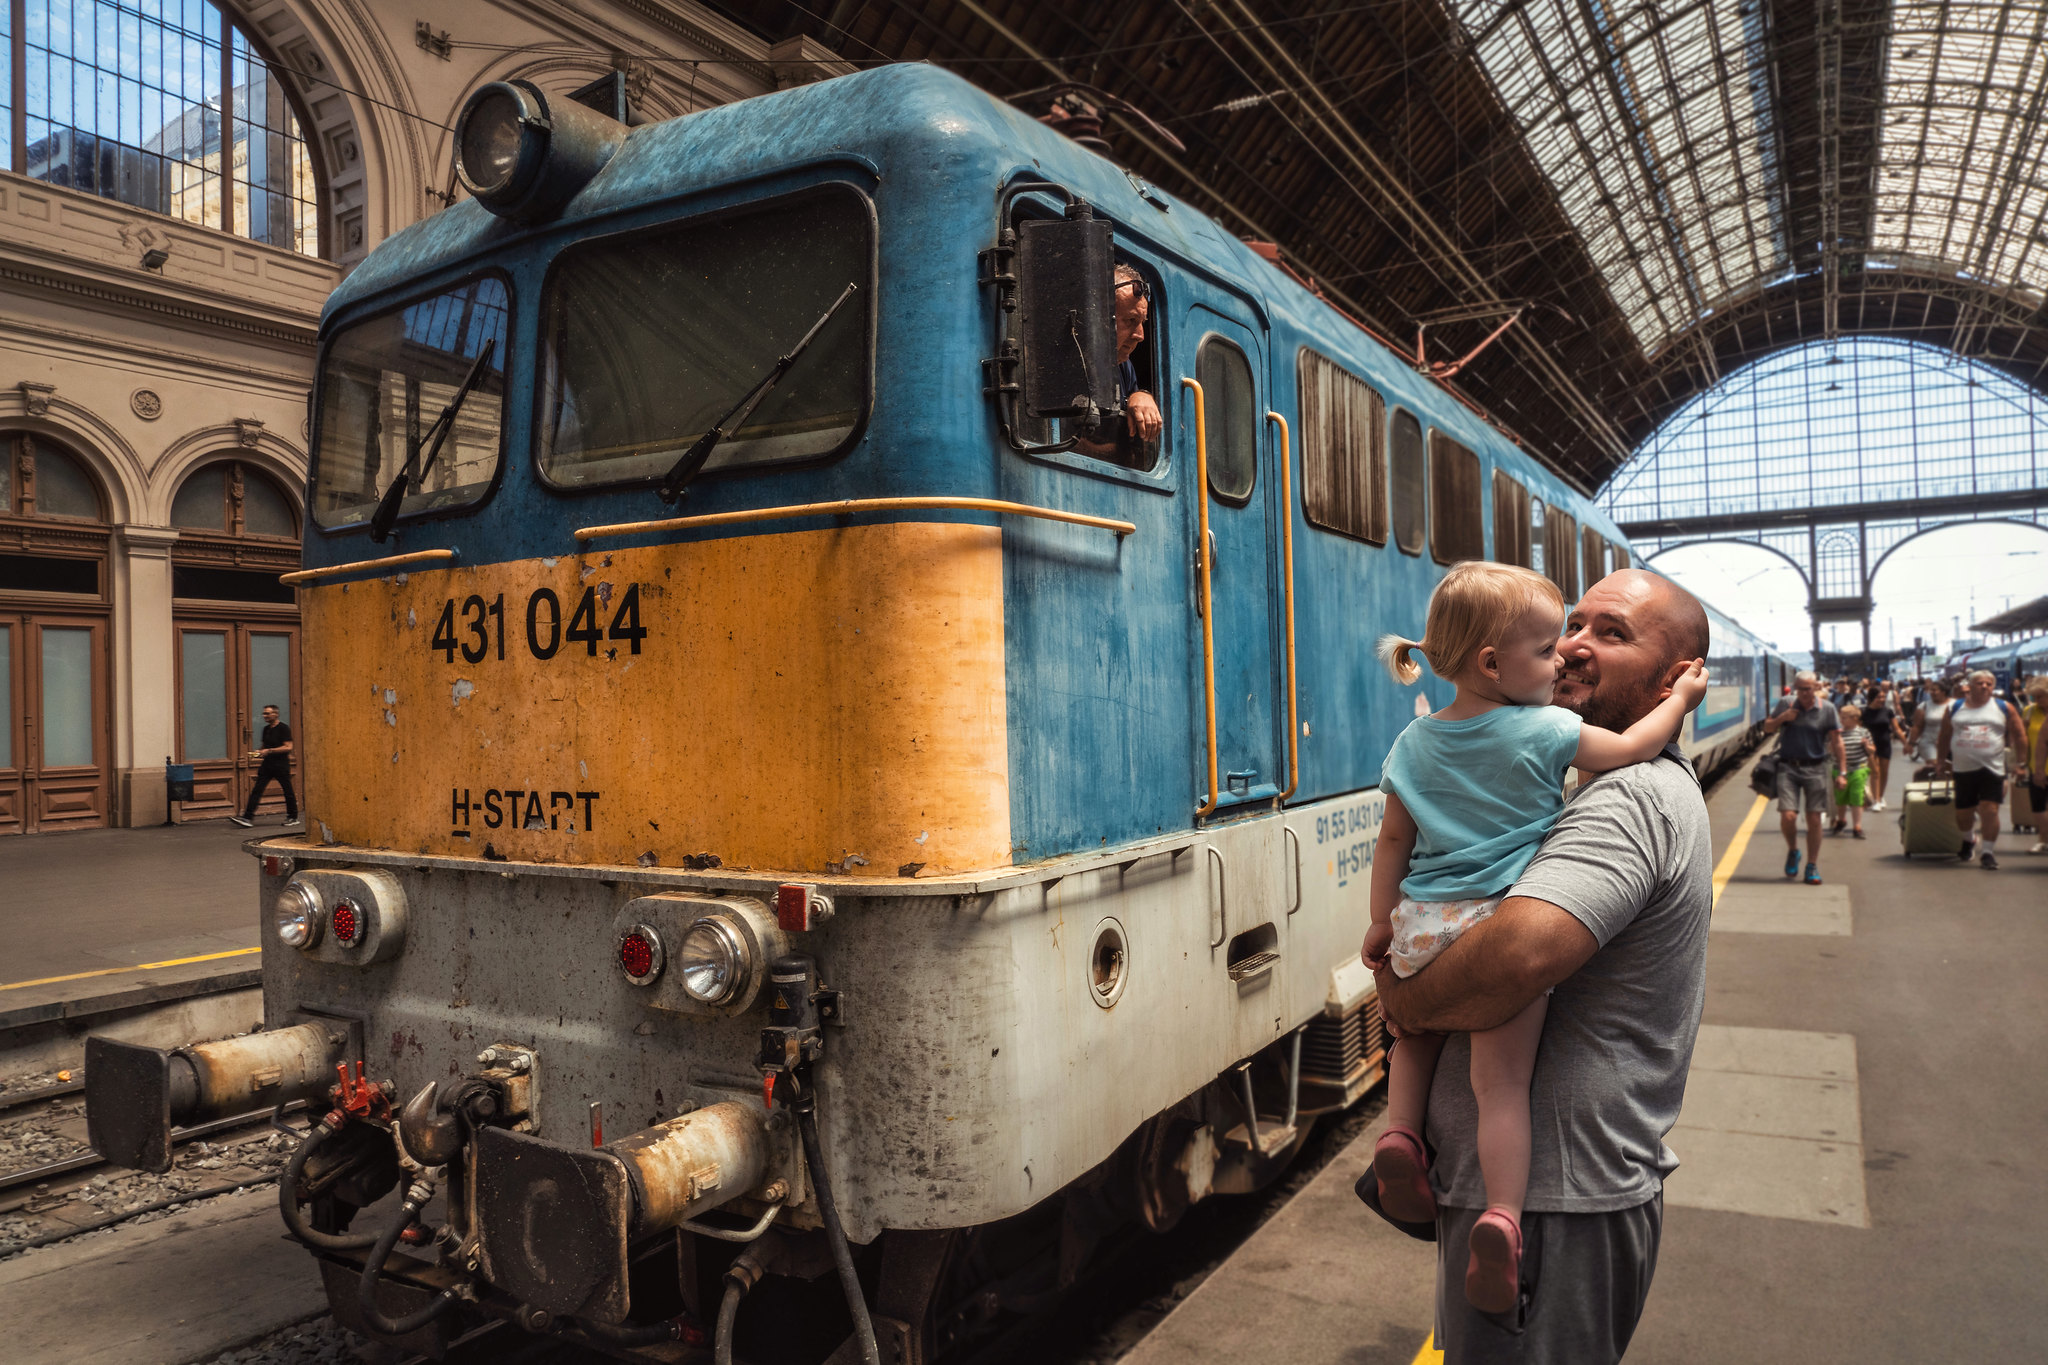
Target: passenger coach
[(902, 814)]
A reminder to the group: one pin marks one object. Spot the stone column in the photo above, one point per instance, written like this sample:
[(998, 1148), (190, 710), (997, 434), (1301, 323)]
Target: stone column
[(145, 673)]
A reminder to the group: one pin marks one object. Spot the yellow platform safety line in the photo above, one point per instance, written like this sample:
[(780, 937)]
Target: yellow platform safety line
[(1725, 869), (138, 967), (1429, 1354)]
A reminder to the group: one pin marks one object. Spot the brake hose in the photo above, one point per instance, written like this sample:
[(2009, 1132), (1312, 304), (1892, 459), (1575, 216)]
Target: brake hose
[(835, 1233), (416, 1198), (288, 1193)]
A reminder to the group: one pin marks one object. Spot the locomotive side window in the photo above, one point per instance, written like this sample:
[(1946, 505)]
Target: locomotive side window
[(385, 380), (1594, 556), (1456, 528), (1510, 519), (1620, 556), (649, 338), (1138, 318), (1560, 550), (1406, 460), (1343, 450), (1233, 422)]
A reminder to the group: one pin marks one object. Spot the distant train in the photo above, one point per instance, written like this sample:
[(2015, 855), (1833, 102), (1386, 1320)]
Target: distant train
[(945, 841), (1745, 678)]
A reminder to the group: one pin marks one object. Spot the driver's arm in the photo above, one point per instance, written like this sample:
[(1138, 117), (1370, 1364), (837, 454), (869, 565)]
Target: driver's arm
[(1491, 972)]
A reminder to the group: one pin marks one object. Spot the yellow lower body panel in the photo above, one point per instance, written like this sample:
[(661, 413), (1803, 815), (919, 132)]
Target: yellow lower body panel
[(826, 701)]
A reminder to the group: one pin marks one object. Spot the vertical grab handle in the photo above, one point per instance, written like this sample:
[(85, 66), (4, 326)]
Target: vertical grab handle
[(1215, 792), (1295, 839), (1222, 897), (1287, 570)]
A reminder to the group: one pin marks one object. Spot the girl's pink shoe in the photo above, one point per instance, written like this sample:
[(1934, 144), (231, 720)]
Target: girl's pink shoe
[(1493, 1276), (1401, 1165)]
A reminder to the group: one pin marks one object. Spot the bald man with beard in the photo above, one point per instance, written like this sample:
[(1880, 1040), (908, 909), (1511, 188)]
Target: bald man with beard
[(1611, 917)]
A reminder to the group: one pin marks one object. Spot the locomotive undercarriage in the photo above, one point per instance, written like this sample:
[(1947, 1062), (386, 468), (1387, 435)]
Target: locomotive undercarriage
[(609, 1171)]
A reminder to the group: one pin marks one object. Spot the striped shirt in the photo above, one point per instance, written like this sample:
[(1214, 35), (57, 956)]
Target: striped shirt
[(1856, 748)]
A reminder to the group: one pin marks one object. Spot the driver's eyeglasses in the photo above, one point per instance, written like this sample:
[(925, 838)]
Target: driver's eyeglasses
[(1144, 289)]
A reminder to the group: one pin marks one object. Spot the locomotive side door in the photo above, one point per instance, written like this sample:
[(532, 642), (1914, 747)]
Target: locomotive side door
[(1242, 559)]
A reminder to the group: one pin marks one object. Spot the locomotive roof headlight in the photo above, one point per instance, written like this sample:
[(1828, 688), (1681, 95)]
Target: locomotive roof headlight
[(524, 155), (712, 960), (297, 916)]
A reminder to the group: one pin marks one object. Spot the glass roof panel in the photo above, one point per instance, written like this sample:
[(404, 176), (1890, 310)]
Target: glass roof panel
[(1654, 126), (1960, 177)]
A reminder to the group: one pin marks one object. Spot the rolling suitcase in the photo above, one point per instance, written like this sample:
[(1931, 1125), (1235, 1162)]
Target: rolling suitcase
[(2023, 816), (1927, 820)]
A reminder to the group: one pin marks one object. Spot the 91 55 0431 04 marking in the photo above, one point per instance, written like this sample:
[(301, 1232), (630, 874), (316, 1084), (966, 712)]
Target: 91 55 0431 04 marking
[(476, 628)]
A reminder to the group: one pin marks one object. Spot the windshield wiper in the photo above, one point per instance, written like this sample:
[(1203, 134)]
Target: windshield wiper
[(671, 486), (387, 506)]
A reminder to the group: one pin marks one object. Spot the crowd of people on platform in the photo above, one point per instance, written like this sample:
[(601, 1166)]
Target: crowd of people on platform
[(1836, 743)]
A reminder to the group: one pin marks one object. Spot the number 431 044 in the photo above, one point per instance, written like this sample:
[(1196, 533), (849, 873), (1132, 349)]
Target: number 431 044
[(477, 628)]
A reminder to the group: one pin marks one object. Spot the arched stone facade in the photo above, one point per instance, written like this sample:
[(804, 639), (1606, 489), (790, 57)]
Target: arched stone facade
[(150, 373)]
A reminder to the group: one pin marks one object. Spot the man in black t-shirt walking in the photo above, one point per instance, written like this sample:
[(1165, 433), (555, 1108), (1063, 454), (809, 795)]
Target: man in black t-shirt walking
[(276, 766)]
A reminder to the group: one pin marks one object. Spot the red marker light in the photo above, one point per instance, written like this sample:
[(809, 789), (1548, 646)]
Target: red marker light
[(347, 923), (636, 955), (641, 956)]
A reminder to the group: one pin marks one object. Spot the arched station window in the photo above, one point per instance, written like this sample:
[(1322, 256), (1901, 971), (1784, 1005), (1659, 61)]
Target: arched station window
[(237, 626), (125, 102), (55, 745)]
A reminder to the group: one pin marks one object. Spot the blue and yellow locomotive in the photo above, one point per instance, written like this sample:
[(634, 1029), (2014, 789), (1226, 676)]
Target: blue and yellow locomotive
[(946, 826)]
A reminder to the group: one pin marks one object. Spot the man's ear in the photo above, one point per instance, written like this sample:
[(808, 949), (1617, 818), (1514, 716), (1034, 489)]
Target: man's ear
[(1671, 677)]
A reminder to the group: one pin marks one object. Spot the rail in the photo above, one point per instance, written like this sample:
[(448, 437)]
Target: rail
[(1287, 567), (1206, 603), (368, 566), (852, 505)]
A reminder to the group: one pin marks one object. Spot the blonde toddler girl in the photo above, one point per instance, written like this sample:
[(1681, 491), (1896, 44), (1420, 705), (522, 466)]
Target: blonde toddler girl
[(1471, 790)]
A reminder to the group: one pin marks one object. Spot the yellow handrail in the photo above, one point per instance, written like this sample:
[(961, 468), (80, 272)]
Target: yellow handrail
[(1287, 567), (1207, 603), (365, 566), (850, 505)]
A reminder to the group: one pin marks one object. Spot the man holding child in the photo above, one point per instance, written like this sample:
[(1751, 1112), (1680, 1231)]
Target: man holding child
[(1611, 917)]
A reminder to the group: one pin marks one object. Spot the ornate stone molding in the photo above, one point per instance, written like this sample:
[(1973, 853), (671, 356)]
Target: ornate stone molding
[(147, 404), (35, 397), (146, 542), (248, 432)]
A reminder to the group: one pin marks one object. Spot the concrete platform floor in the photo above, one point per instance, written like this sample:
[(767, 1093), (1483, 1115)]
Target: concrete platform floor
[(1857, 1185), (91, 907)]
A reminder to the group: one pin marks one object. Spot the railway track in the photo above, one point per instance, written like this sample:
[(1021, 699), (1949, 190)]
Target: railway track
[(53, 1186)]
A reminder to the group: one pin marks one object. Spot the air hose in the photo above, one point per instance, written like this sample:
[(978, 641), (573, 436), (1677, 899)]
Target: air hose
[(835, 1233), (288, 1193), (728, 1310), (416, 1199)]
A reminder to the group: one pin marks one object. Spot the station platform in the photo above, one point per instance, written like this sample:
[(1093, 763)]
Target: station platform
[(109, 929), (1857, 1185)]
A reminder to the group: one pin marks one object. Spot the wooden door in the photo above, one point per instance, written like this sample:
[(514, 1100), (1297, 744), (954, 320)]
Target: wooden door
[(59, 741), (227, 672), (13, 764)]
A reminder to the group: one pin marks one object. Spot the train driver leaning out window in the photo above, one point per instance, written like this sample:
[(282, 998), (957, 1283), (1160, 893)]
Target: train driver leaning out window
[(1142, 423)]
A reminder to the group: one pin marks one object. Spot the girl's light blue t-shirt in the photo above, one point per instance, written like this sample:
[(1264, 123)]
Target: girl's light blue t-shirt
[(1483, 792)]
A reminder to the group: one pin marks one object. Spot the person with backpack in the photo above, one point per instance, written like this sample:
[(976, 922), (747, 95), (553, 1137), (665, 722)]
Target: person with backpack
[(1809, 731), (1975, 731)]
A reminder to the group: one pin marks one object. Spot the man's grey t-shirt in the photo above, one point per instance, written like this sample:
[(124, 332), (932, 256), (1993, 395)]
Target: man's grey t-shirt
[(1804, 738), (1632, 860)]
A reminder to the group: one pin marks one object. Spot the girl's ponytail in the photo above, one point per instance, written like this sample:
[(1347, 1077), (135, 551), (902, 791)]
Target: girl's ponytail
[(1395, 652)]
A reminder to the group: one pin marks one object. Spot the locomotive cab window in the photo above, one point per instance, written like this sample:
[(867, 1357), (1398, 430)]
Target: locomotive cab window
[(1233, 420), (1137, 328), (1343, 451), (383, 383), (1510, 519), (1405, 460), (1456, 529), (649, 339)]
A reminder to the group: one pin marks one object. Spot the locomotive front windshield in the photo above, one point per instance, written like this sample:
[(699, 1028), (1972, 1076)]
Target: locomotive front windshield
[(383, 383), (650, 339)]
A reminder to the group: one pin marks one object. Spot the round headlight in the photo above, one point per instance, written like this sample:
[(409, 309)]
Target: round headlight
[(298, 916), (712, 960), (491, 132)]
